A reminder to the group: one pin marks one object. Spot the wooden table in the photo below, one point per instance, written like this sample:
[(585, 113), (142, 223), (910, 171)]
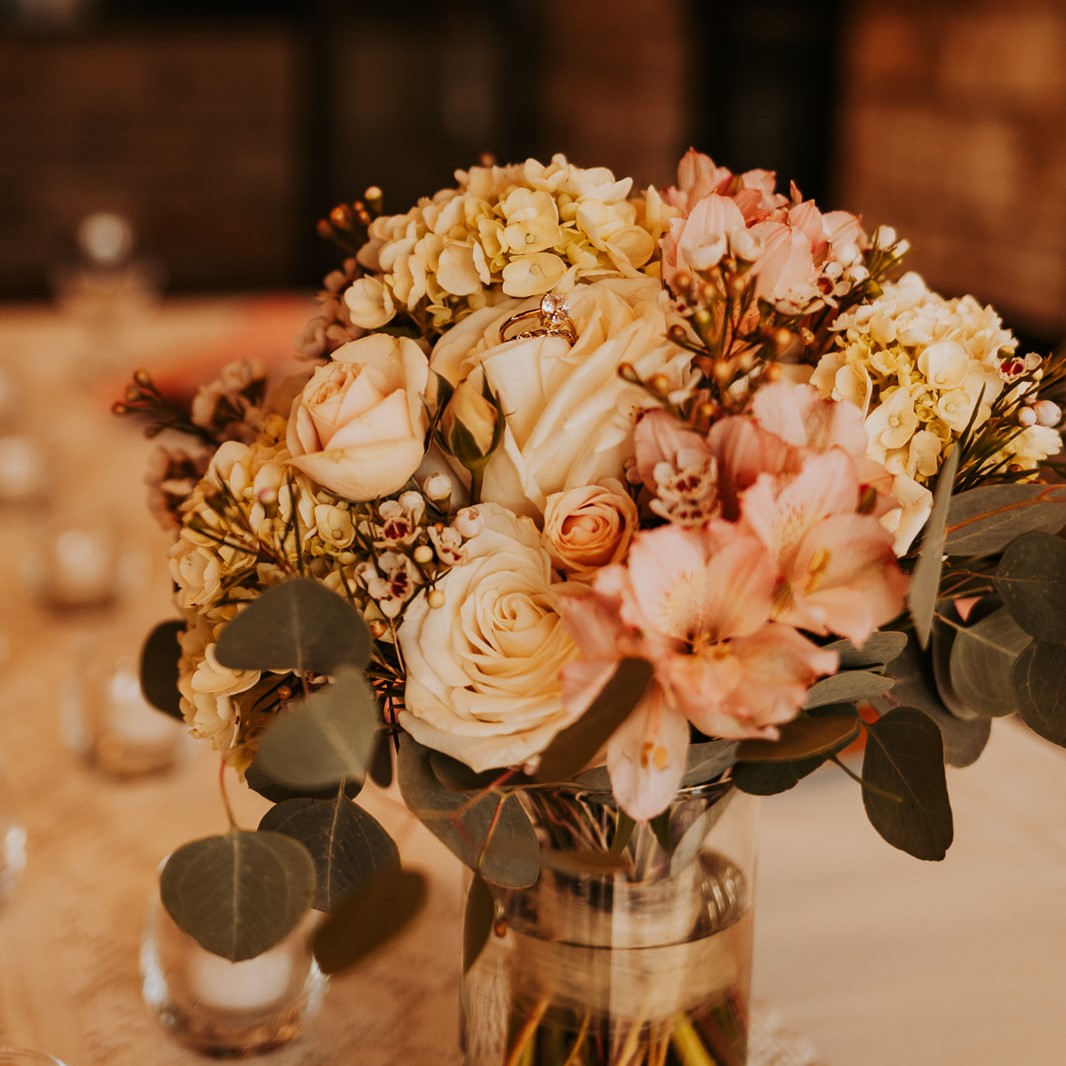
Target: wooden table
[(878, 959)]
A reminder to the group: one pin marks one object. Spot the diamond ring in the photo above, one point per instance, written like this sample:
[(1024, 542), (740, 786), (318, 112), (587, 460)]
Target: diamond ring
[(552, 318)]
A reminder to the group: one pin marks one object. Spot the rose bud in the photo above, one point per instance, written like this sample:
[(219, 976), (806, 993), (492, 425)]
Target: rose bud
[(472, 423)]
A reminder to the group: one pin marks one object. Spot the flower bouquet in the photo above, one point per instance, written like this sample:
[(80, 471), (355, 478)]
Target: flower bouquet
[(593, 513)]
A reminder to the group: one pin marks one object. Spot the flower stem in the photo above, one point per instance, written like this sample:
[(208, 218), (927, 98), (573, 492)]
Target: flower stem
[(688, 1045)]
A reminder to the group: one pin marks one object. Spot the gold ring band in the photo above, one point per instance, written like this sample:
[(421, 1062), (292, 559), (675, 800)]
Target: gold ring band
[(553, 320)]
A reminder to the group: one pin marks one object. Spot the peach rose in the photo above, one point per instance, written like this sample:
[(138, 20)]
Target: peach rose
[(359, 427), (588, 527)]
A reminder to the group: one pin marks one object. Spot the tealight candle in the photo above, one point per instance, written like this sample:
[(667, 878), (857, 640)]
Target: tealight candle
[(249, 985), (108, 720), (80, 567)]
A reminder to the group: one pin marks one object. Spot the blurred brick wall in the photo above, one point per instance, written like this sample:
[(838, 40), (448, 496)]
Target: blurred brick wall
[(193, 135), (953, 129)]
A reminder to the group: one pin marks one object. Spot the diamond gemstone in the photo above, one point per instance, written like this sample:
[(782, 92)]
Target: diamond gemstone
[(554, 308)]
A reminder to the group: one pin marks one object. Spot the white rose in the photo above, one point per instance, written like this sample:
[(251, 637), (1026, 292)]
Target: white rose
[(589, 527), (359, 427), (569, 415), (483, 669)]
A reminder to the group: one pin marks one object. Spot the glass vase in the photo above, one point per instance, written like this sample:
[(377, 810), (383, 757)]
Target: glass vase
[(633, 947)]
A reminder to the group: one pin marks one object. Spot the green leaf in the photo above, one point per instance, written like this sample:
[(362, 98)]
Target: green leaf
[(240, 894), (846, 687), (805, 736), (880, 647), (981, 660), (924, 588), (575, 746), (771, 778), (905, 759), (459, 777), (1038, 680), (371, 916), (983, 521), (348, 845), (258, 780), (691, 841), (708, 760), (964, 739), (299, 625), (159, 668), (1031, 578), (479, 919), (324, 739), (489, 832)]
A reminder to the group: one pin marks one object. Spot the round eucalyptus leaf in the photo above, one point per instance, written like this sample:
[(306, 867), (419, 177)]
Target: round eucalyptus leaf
[(479, 919), (907, 798), (372, 915), (575, 746), (879, 648), (159, 667), (983, 521), (348, 845), (325, 739), (804, 737), (299, 625), (847, 686), (488, 831), (1038, 678), (982, 656), (238, 894), (772, 778), (1031, 578)]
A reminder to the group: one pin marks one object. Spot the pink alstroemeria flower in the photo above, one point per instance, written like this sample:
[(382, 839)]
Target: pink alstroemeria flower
[(697, 605), (837, 570)]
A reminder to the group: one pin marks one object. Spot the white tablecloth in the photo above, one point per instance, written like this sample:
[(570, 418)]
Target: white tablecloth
[(871, 957)]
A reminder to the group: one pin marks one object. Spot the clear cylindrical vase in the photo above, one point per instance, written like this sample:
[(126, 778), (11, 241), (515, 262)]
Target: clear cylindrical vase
[(633, 947)]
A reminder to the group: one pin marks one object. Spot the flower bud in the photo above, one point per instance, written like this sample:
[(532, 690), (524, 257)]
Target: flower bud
[(472, 424), (437, 488), (1047, 413), (468, 522)]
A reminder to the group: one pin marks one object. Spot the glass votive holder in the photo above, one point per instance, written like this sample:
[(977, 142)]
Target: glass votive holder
[(12, 842), (222, 1008), (109, 723), (77, 564), (13, 1056)]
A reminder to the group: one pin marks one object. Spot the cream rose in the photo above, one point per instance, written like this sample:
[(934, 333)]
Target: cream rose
[(589, 527), (569, 415), (483, 669), (359, 427)]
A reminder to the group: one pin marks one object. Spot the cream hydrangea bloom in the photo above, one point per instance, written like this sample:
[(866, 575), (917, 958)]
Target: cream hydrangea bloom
[(920, 366), (515, 231)]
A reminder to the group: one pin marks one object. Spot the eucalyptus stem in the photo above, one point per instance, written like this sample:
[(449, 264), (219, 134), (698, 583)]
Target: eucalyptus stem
[(231, 817)]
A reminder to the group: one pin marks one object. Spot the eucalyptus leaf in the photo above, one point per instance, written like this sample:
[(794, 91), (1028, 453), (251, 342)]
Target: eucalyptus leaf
[(488, 831), (459, 777), (299, 625), (347, 844), (691, 841), (479, 919), (1031, 578), (879, 648), (964, 738), (1038, 679), (771, 778), (380, 769), (983, 521), (371, 916), (940, 647), (924, 590), (804, 737), (847, 686), (324, 739), (238, 894), (708, 760), (258, 780), (574, 747), (981, 660), (907, 801), (159, 668)]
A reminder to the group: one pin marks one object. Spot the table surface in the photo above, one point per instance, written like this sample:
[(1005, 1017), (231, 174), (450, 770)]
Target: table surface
[(875, 958)]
